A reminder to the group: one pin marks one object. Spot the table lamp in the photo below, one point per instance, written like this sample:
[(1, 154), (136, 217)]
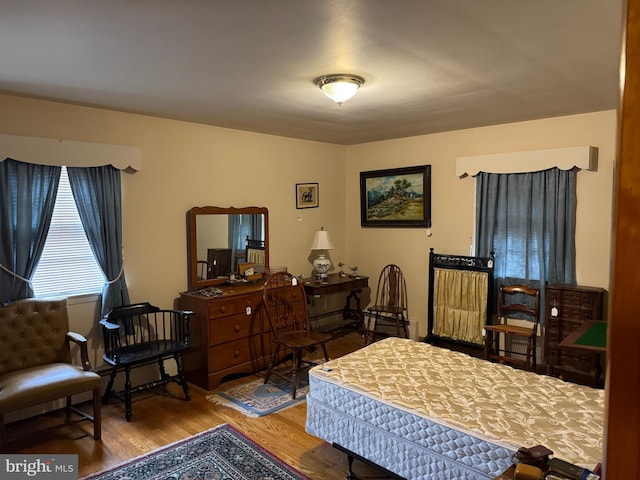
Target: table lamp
[(321, 242)]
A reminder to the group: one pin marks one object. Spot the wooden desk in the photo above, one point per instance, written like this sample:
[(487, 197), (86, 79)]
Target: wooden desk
[(590, 336), (335, 284)]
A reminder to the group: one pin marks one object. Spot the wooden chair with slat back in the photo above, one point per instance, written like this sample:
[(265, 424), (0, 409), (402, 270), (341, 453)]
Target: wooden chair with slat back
[(514, 302), (390, 307), (285, 303)]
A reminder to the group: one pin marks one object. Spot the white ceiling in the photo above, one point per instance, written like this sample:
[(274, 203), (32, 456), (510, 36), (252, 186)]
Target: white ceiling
[(429, 65)]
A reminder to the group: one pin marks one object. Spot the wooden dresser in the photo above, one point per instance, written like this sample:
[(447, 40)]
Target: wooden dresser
[(230, 334), (567, 307)]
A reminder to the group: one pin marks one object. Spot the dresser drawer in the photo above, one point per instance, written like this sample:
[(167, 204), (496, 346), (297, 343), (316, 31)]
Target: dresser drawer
[(567, 326), (226, 329), (566, 311), (574, 358), (566, 298), (552, 336), (575, 313), (590, 300), (234, 353), (553, 356), (558, 328), (223, 307)]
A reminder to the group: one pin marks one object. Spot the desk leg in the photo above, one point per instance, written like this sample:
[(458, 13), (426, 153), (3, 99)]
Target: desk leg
[(598, 369), (356, 315)]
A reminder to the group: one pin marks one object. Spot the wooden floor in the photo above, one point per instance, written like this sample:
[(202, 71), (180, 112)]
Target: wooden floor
[(162, 416)]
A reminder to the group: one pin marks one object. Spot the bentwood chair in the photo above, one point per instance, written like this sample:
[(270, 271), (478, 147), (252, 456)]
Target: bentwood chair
[(518, 317), (390, 308), (285, 303)]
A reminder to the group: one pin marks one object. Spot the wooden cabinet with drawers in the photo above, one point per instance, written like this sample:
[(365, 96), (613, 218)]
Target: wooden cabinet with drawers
[(567, 307), (229, 335), (219, 262)]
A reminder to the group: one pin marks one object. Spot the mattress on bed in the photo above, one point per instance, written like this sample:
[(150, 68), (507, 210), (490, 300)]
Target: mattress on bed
[(427, 412)]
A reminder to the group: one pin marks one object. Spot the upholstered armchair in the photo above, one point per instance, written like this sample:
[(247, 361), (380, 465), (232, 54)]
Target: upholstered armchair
[(35, 360)]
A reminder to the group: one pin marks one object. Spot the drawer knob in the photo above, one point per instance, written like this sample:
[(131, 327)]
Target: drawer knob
[(236, 353), (236, 327), (223, 308)]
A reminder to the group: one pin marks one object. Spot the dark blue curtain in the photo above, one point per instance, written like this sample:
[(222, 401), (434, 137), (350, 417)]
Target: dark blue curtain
[(529, 221), (27, 197), (96, 191), (241, 227)]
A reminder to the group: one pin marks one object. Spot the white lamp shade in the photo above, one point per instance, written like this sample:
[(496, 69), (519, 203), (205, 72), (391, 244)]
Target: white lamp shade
[(322, 241)]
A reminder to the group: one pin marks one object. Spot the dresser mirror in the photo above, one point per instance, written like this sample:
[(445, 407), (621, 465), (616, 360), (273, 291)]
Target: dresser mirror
[(217, 239)]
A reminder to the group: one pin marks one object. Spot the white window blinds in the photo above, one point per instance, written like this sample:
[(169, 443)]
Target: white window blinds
[(67, 266)]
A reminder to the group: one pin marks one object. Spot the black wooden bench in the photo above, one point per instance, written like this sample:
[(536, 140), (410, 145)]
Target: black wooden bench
[(142, 334)]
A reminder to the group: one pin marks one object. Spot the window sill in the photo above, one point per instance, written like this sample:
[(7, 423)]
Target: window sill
[(77, 299)]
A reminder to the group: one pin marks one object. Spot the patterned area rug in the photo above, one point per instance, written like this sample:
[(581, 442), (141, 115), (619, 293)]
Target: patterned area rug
[(221, 453), (256, 399)]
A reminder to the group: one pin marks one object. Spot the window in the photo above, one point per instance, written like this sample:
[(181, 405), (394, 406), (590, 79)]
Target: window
[(528, 221), (67, 266)]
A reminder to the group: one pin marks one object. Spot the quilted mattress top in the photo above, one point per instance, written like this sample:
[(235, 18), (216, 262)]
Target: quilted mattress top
[(507, 406)]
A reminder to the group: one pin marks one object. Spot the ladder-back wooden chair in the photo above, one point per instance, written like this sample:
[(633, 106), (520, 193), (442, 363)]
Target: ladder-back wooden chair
[(285, 303), (516, 303)]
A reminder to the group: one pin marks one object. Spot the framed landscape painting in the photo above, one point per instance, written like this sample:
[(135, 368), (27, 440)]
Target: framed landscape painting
[(397, 197)]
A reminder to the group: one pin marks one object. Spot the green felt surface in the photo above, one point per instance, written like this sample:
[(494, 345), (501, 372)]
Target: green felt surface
[(596, 336)]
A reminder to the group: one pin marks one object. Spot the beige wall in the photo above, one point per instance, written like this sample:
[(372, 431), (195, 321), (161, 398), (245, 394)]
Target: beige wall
[(186, 165), (453, 198)]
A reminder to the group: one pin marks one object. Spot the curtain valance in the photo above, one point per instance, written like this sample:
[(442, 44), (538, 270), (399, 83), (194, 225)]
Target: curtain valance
[(70, 153), (584, 158)]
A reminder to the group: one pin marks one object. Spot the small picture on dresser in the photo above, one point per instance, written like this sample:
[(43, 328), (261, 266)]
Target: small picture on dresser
[(307, 195)]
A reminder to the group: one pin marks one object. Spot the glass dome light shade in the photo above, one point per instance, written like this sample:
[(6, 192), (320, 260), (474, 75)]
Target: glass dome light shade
[(339, 88)]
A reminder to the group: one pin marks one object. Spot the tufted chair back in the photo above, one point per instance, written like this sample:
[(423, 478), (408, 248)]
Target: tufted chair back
[(33, 332)]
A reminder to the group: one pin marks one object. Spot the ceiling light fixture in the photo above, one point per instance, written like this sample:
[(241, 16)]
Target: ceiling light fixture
[(339, 87)]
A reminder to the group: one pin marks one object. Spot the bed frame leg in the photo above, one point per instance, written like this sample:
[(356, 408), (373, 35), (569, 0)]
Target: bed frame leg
[(351, 456), (350, 474)]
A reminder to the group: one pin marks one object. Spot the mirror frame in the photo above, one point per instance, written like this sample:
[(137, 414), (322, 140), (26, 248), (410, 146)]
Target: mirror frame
[(192, 250)]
